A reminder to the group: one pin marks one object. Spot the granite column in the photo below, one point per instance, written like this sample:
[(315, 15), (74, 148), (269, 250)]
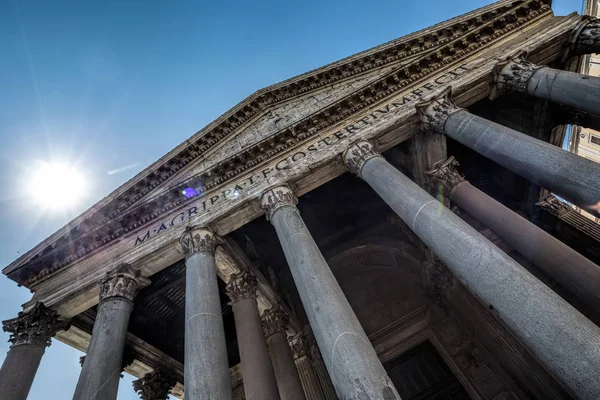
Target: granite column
[(319, 365), (310, 382), (569, 88), (275, 323), (568, 175), (206, 368), (355, 370), (563, 340), (257, 370), (30, 333), (576, 273), (100, 373)]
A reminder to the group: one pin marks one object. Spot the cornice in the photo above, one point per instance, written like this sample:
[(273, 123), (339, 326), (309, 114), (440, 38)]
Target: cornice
[(437, 50)]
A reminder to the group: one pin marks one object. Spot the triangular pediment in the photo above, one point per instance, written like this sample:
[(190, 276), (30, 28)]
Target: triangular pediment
[(270, 122)]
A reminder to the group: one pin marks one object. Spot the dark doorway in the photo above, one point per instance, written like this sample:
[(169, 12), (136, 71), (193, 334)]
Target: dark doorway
[(421, 374)]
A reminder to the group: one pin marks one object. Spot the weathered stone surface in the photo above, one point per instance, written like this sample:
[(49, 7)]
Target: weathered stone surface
[(586, 39), (30, 333), (242, 286), (206, 366), (572, 270), (34, 327), (198, 240), (155, 385), (259, 377), (566, 342), (124, 282), (120, 215), (355, 370), (99, 377)]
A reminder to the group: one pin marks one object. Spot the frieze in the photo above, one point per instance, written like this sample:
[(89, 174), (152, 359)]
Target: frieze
[(113, 228), (34, 327)]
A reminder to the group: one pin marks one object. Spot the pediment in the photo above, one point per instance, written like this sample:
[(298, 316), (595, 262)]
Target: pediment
[(269, 123)]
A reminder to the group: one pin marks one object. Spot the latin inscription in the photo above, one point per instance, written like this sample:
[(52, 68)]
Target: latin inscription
[(231, 193)]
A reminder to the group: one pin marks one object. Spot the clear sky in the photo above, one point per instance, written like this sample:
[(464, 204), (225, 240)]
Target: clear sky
[(110, 86)]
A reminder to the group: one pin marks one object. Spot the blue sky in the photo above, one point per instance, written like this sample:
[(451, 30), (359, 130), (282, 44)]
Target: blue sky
[(111, 86)]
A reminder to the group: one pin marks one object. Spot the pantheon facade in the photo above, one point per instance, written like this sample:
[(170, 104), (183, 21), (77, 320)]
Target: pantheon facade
[(400, 224)]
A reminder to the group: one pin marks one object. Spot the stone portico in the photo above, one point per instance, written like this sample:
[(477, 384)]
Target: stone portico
[(395, 225)]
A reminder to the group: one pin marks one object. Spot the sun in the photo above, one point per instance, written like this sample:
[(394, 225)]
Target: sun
[(58, 185)]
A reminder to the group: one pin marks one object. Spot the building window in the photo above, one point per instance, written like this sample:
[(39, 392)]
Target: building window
[(595, 139)]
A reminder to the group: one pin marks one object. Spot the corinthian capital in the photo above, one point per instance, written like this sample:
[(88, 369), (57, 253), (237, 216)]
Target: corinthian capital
[(586, 38), (124, 281), (444, 173), (274, 320), (299, 346), (512, 75), (277, 197), (34, 327), (435, 112), (198, 240), (155, 385), (357, 154), (242, 286)]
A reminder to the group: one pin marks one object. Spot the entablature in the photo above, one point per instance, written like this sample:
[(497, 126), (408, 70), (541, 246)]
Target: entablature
[(388, 120), (414, 58)]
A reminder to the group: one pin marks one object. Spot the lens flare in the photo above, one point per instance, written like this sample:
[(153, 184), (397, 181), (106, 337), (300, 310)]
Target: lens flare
[(57, 186)]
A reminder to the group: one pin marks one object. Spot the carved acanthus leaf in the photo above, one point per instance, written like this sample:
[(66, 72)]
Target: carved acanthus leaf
[(513, 74), (435, 112), (124, 281), (444, 173), (34, 327), (587, 37), (274, 320), (299, 345), (357, 154), (198, 240), (242, 286), (276, 198), (155, 385)]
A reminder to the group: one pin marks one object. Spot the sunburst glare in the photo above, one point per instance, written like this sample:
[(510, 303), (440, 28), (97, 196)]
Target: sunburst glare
[(60, 186)]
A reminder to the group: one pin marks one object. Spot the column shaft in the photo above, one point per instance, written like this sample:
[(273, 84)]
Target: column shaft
[(353, 365), (257, 370), (31, 332), (18, 370), (569, 88), (570, 176), (310, 383), (101, 370), (564, 341), (206, 368), (100, 374), (288, 379), (572, 270)]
